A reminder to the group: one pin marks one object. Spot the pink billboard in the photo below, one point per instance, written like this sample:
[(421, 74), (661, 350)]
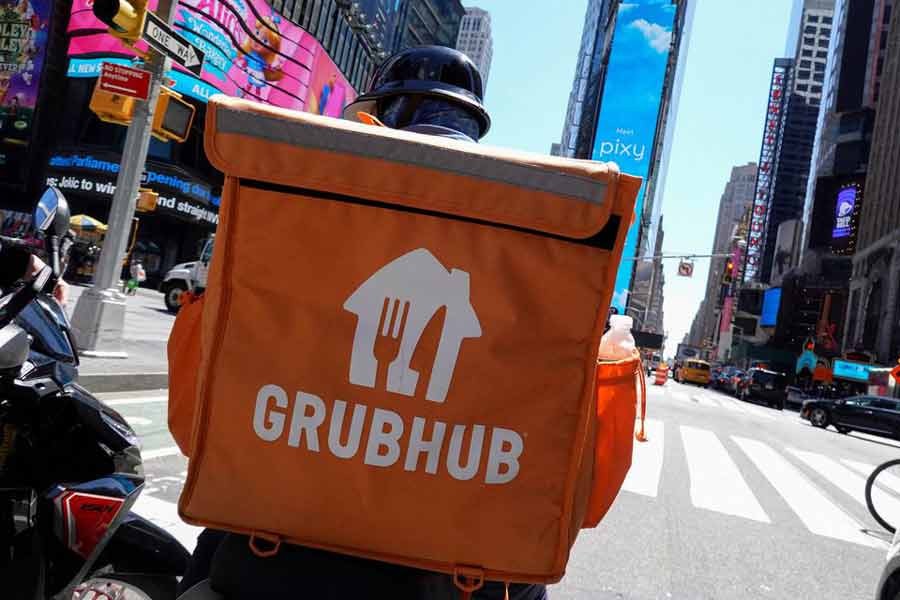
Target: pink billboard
[(251, 52)]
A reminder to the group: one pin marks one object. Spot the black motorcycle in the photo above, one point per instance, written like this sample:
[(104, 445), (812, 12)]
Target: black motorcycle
[(70, 467)]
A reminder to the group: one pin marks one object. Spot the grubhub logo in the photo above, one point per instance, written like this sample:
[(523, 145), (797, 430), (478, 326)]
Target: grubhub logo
[(393, 307)]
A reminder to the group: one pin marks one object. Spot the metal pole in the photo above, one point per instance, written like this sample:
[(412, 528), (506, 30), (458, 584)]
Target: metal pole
[(99, 316)]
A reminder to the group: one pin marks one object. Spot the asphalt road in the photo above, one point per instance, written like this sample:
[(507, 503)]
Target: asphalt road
[(726, 500)]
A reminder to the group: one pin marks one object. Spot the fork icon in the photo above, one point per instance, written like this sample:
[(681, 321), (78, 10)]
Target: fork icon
[(388, 344)]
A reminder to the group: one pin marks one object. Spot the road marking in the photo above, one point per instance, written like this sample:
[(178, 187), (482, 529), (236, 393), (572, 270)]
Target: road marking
[(706, 401), (885, 478), (851, 483), (647, 461), (716, 482), (133, 401), (820, 515), (140, 421), (160, 453), (165, 515)]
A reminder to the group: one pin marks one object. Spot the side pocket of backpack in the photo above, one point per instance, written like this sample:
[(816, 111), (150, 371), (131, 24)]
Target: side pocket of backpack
[(615, 397), (183, 352)]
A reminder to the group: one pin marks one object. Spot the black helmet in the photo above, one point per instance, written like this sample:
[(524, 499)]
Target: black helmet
[(426, 71)]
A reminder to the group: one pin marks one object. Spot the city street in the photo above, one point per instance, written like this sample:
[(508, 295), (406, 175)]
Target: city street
[(725, 500)]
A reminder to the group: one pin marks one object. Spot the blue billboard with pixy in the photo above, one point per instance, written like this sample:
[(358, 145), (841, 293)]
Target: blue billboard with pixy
[(629, 109)]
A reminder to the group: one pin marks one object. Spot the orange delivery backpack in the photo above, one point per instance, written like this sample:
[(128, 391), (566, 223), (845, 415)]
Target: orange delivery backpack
[(396, 354)]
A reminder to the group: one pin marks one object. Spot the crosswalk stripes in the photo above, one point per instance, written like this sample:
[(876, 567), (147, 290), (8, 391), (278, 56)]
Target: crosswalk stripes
[(886, 479), (716, 482), (647, 462), (820, 515)]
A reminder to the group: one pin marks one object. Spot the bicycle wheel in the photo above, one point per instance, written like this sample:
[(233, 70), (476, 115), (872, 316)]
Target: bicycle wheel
[(885, 502)]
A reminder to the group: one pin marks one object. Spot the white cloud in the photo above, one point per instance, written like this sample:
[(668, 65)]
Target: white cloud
[(656, 35), (626, 6)]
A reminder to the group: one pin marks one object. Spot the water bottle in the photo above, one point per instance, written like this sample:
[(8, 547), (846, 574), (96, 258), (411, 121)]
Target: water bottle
[(617, 343)]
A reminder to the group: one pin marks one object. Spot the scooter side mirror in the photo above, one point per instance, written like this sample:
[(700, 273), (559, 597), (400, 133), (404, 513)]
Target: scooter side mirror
[(51, 217)]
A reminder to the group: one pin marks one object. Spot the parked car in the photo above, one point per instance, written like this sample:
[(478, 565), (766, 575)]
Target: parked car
[(795, 396), (878, 415), (766, 386), (721, 379), (735, 381), (186, 276)]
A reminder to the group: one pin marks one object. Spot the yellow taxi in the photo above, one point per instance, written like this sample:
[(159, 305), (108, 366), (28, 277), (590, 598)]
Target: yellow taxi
[(694, 371)]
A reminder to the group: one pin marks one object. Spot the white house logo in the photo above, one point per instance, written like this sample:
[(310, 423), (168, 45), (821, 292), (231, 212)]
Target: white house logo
[(394, 306)]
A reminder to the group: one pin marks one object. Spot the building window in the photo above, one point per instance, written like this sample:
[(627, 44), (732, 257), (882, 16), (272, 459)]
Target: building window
[(820, 66), (802, 87), (820, 77), (816, 89), (803, 74), (809, 41), (812, 18), (823, 42), (826, 20), (809, 29), (805, 64), (821, 54), (825, 31), (808, 53)]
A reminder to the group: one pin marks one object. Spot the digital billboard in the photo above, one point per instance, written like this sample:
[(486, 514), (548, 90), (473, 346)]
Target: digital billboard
[(251, 52), (632, 95), (771, 304), (845, 219), (771, 133), (845, 369), (23, 43)]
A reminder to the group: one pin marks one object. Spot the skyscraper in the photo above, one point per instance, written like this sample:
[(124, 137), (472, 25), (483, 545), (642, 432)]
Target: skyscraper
[(874, 317), (789, 133), (590, 74), (422, 22), (733, 204), (475, 39)]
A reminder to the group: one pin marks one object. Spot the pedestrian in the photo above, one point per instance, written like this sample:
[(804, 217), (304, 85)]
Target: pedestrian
[(138, 276), (430, 90)]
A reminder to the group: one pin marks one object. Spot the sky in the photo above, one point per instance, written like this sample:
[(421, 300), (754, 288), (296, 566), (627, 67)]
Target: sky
[(718, 125)]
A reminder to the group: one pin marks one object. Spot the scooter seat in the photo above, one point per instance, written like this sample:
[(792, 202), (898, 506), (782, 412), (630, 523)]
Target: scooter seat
[(201, 591)]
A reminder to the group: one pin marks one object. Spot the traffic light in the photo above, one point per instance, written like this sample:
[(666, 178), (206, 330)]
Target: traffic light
[(147, 200), (173, 117), (125, 18), (112, 108), (728, 275)]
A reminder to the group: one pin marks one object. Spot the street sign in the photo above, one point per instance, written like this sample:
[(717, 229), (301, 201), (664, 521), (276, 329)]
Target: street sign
[(125, 81), (163, 38), (686, 268)]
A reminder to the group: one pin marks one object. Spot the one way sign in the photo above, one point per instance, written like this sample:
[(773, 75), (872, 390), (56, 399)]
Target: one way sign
[(163, 38)]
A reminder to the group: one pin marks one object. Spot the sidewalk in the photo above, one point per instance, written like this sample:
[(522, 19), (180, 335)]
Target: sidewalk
[(147, 326)]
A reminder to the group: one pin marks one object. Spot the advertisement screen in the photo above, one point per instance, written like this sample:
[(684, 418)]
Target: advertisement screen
[(23, 44), (771, 303), (851, 370), (843, 212), (251, 52), (632, 94)]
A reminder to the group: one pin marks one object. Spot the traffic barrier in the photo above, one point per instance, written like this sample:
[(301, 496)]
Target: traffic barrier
[(662, 374)]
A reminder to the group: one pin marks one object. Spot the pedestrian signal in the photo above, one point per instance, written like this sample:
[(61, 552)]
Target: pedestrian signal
[(147, 200), (110, 107), (124, 18), (173, 117)]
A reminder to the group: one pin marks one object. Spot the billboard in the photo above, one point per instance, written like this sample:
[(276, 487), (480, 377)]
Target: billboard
[(756, 237), (632, 95), (771, 304), (845, 369), (847, 206), (23, 43), (251, 52)]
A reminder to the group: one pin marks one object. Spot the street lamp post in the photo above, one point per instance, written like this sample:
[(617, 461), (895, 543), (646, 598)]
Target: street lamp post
[(99, 317)]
